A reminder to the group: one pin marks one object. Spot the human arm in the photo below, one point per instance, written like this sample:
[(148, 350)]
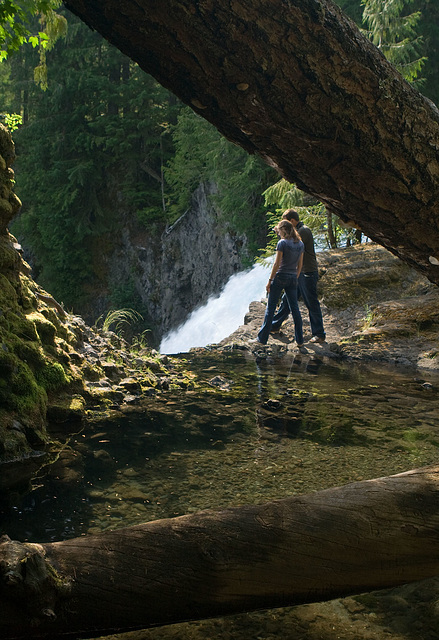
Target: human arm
[(274, 269), (299, 265)]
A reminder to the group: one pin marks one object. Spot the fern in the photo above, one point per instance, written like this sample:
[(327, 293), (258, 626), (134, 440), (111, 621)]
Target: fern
[(118, 318)]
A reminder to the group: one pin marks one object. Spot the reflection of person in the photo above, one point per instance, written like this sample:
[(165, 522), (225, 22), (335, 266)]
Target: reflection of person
[(284, 275), (307, 282)]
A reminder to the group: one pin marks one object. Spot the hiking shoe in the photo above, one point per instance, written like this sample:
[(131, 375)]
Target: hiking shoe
[(317, 339)]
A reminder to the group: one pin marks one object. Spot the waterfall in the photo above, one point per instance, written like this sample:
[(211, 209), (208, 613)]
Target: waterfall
[(222, 314)]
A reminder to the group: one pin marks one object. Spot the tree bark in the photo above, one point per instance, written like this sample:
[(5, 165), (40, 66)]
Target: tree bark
[(295, 82), (366, 535), (331, 235)]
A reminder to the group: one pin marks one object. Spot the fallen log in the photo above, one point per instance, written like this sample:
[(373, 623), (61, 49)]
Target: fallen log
[(361, 537), (296, 83)]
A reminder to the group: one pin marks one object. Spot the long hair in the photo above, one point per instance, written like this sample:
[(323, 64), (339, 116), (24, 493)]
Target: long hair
[(288, 230)]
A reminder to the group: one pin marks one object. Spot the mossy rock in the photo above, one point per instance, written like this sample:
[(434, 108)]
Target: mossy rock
[(52, 376), (413, 316), (66, 409), (91, 373), (13, 441), (46, 330), (26, 395), (28, 299), (9, 256), (341, 297), (30, 352), (21, 327), (8, 363), (8, 294)]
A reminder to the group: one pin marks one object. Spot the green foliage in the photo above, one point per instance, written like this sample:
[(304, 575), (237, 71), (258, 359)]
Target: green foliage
[(16, 18), (150, 216), (12, 121), (203, 155), (192, 136), (394, 32), (140, 341), (328, 231), (96, 137), (17, 22), (118, 318), (409, 40), (428, 28), (285, 195), (352, 8), (424, 40)]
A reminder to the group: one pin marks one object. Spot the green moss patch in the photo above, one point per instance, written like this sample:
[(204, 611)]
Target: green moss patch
[(46, 330)]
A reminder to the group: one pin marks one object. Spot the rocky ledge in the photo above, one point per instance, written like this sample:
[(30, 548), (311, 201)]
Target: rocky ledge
[(375, 308)]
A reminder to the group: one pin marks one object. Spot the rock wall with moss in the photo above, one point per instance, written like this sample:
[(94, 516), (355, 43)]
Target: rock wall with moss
[(55, 371)]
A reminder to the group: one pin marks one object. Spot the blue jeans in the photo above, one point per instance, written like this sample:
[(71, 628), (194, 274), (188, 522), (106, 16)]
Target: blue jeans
[(308, 291), (287, 283)]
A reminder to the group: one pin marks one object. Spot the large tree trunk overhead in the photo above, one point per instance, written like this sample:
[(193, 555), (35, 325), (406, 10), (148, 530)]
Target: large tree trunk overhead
[(364, 536), (295, 82)]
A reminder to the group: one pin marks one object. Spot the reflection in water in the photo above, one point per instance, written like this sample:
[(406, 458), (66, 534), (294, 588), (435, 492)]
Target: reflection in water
[(282, 426)]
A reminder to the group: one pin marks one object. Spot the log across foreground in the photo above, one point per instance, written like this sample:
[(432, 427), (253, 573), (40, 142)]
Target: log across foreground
[(363, 536)]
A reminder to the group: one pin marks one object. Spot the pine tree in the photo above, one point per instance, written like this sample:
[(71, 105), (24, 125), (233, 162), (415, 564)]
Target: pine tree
[(394, 32), (203, 155), (104, 141), (428, 27), (95, 137)]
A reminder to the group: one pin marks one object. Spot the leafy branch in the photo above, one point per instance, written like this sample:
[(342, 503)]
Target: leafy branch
[(16, 18)]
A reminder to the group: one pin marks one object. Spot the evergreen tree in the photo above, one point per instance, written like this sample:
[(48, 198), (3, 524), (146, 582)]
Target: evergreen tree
[(428, 28), (104, 140), (93, 139), (327, 229), (394, 32), (203, 155)]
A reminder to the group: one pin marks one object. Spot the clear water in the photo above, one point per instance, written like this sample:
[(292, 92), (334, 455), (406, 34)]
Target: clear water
[(278, 427)]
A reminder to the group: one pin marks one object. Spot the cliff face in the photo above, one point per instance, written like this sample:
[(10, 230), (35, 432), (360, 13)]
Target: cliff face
[(197, 259), (174, 273)]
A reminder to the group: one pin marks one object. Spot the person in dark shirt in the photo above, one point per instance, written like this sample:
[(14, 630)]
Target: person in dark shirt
[(284, 277), (307, 283)]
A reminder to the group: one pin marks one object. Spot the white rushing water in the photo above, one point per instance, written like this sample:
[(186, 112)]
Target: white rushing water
[(222, 313)]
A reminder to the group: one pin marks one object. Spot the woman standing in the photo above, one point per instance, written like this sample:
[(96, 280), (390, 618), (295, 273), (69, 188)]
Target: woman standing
[(284, 274)]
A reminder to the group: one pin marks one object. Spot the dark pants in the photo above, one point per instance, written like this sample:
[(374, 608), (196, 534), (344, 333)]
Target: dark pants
[(287, 283), (307, 290)]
